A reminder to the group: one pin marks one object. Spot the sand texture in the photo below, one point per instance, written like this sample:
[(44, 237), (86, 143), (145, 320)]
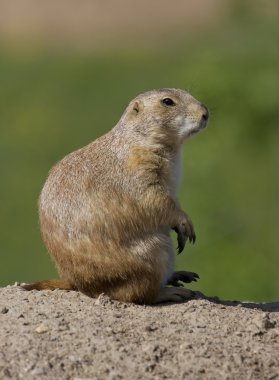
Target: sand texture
[(66, 335)]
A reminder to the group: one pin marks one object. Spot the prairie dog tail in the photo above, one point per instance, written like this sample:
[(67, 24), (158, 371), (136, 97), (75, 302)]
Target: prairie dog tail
[(49, 285)]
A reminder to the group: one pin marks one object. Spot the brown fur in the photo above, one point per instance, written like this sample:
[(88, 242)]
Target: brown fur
[(49, 285), (106, 210)]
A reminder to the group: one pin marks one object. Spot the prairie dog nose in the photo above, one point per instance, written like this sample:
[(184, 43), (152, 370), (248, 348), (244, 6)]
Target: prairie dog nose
[(199, 110), (205, 114)]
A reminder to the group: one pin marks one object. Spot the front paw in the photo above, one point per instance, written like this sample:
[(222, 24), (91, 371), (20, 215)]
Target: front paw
[(183, 276), (185, 230)]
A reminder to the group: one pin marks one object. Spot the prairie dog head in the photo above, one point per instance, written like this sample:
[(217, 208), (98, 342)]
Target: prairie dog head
[(167, 116)]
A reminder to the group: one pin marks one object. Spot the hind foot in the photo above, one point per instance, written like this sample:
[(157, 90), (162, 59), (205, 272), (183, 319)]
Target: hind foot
[(174, 294)]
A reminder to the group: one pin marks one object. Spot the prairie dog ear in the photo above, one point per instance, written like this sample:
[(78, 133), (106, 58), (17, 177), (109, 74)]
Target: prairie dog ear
[(136, 107)]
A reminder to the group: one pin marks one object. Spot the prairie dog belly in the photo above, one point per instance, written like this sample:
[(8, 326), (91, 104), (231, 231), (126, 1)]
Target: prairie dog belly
[(176, 167), (156, 247), (168, 250)]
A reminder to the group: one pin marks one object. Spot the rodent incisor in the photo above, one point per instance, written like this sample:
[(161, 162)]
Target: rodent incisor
[(106, 210)]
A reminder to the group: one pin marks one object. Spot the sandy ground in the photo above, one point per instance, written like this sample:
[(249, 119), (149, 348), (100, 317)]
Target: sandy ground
[(66, 335)]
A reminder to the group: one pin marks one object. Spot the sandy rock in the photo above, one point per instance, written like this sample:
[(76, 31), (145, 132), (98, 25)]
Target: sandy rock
[(41, 329)]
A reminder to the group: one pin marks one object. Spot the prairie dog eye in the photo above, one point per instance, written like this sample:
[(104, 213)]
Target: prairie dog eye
[(168, 102)]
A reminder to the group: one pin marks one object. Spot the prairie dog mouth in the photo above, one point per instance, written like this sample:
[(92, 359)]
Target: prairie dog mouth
[(190, 127), (194, 131)]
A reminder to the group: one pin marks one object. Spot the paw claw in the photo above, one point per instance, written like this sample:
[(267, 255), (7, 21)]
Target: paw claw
[(185, 231)]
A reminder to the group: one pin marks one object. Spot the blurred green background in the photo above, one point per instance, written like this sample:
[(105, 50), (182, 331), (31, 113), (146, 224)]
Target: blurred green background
[(62, 89)]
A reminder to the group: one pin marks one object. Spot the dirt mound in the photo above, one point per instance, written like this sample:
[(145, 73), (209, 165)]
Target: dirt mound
[(66, 335)]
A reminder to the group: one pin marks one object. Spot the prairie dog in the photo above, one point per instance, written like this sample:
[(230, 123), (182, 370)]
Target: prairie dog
[(106, 210)]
